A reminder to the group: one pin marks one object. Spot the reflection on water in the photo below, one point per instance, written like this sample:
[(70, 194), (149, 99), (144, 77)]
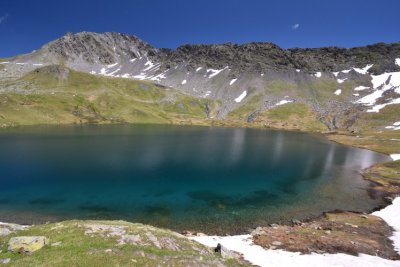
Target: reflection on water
[(209, 179)]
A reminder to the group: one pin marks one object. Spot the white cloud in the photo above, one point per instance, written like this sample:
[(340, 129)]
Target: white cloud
[(3, 18), (295, 26)]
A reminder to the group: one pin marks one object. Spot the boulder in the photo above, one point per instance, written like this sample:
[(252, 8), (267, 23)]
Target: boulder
[(27, 244), (4, 231)]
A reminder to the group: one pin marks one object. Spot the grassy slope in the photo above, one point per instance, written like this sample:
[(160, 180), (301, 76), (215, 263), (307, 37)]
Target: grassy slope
[(50, 97), (149, 246)]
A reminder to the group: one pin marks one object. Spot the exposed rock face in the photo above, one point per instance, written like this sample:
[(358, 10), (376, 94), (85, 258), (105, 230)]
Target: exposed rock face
[(94, 48)]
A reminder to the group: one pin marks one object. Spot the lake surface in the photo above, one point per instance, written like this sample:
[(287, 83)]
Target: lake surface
[(215, 180)]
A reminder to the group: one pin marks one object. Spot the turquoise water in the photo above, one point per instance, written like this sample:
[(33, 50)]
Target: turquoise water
[(215, 180)]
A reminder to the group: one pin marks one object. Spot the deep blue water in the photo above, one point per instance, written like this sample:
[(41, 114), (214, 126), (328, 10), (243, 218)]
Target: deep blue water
[(216, 180)]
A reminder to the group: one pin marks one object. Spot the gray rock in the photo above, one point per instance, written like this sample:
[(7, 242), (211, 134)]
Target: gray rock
[(5, 261), (277, 243), (4, 231)]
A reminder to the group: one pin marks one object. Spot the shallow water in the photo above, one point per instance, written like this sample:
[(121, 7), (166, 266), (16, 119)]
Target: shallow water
[(215, 180)]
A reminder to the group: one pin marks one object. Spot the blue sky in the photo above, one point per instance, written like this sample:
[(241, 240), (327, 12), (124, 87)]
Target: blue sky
[(27, 25)]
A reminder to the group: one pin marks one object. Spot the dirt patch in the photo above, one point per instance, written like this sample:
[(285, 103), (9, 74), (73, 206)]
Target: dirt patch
[(342, 232)]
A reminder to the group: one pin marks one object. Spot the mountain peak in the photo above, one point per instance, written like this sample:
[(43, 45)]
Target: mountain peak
[(102, 48)]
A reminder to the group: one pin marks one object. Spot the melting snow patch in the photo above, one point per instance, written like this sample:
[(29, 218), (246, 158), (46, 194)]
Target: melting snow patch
[(241, 97), (112, 65), (391, 215), (283, 102), (387, 80), (377, 108), (394, 126), (266, 257), (363, 70), (183, 82), (318, 74), (338, 92), (215, 72), (361, 88), (232, 81), (207, 93), (341, 80), (141, 76), (113, 72), (150, 65)]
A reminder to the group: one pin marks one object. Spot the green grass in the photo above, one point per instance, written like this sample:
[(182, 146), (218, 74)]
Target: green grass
[(80, 249), (248, 107), (56, 95), (291, 116), (384, 173)]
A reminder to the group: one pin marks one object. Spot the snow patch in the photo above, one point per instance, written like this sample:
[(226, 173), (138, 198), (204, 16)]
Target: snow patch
[(259, 256), (341, 80), (150, 65), (297, 70), (215, 72), (199, 69), (37, 64), (361, 88), (112, 65), (335, 73), (183, 82), (92, 72), (232, 81), (338, 92), (397, 62), (262, 74), (241, 97), (318, 74), (395, 126), (391, 215), (356, 94), (363, 70), (387, 80), (132, 60), (377, 108), (395, 156), (283, 102)]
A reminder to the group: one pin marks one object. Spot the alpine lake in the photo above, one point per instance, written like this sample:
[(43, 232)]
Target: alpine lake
[(213, 180)]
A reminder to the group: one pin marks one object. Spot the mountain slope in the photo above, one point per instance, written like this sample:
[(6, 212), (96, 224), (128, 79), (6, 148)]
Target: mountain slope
[(340, 87)]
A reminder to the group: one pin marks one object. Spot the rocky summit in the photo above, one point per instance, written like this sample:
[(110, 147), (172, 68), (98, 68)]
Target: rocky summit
[(330, 88)]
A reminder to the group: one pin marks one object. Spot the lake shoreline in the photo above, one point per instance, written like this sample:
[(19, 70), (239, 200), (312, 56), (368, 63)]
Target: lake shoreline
[(385, 190)]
